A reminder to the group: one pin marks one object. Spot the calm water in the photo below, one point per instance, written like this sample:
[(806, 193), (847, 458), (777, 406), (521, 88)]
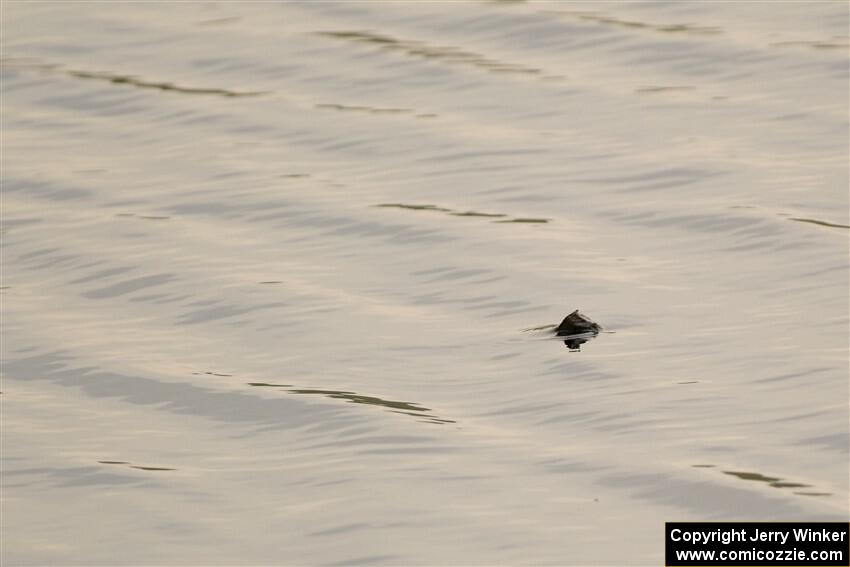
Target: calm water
[(266, 268)]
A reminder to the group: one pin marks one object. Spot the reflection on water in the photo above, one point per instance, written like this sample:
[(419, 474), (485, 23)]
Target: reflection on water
[(574, 342), (820, 222), (407, 408), (661, 89), (139, 467), (163, 86), (526, 220), (476, 214), (371, 109), (146, 217), (429, 51), (837, 42), (414, 207), (668, 28), (129, 80), (775, 482), (455, 213)]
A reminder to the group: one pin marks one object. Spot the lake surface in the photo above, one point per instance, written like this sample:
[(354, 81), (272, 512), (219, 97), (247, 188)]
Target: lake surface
[(267, 266)]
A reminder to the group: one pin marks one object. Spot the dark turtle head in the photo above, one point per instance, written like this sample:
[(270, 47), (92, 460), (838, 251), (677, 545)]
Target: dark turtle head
[(576, 329), (576, 323)]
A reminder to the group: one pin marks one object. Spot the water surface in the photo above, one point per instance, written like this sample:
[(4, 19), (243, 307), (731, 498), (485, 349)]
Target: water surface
[(266, 268)]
